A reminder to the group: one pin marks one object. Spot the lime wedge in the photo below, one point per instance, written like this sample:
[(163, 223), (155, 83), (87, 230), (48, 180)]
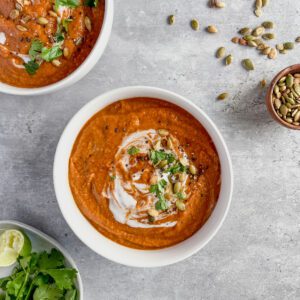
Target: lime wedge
[(12, 244)]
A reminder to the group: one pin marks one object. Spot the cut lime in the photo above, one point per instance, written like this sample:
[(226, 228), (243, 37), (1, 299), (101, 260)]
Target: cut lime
[(12, 244)]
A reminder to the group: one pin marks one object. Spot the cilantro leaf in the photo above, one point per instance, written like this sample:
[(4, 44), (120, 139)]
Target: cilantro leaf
[(35, 49), (65, 23), (31, 67), (133, 150), (157, 156), (71, 295), (91, 3), (67, 3), (51, 261), (161, 204), (177, 168), (14, 286), (49, 54), (48, 292), (63, 277)]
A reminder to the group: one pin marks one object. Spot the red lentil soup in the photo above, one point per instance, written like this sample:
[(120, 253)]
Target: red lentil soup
[(145, 173), (43, 41)]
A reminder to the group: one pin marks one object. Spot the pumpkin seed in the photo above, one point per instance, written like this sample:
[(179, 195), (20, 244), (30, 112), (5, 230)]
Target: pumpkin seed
[(245, 31), (266, 51), (219, 4), (223, 96), (279, 47), (193, 169), (243, 42), (21, 28), (258, 31), (53, 13), (268, 25), (297, 40), (288, 46), (289, 80), (265, 3), (235, 40), (277, 103), (258, 12), (14, 14), (212, 29), (88, 23), (171, 19), (153, 212), (289, 120), (42, 21), (163, 132), (180, 205), (272, 54), (177, 187), (284, 51), (248, 64), (258, 3), (297, 116), (261, 47), (66, 52), (228, 60), (263, 83), (182, 177), (195, 24), (252, 44), (249, 37), (283, 110), (56, 62), (170, 143), (220, 52), (163, 163), (268, 36)]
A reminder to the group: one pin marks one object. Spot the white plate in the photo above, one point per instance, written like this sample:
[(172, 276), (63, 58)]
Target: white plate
[(95, 240), (40, 241)]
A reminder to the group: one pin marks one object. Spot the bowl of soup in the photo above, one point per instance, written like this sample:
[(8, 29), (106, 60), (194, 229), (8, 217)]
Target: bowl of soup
[(48, 45), (143, 176)]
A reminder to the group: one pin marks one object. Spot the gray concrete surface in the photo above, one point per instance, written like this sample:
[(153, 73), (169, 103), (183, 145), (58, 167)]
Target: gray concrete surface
[(256, 254)]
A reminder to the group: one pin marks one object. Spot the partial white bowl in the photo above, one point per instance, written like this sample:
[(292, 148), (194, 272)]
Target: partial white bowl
[(82, 70), (104, 246), (40, 242)]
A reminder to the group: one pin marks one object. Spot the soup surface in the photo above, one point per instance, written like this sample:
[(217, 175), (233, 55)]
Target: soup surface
[(43, 41), (145, 173)]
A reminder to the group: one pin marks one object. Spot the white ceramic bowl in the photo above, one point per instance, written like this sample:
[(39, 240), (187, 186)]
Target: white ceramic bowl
[(82, 70), (40, 242), (99, 243)]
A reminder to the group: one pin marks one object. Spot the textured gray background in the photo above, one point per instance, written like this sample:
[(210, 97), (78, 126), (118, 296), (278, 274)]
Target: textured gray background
[(256, 254)]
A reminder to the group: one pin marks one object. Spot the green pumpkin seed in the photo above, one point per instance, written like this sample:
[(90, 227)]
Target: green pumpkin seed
[(193, 169), (268, 25), (42, 21), (297, 40), (297, 88), (163, 163), (195, 24), (180, 205), (258, 12), (221, 52), (163, 132), (251, 44), (279, 47), (297, 117), (248, 64), (228, 60), (268, 36), (258, 31), (283, 110), (289, 80), (249, 37), (265, 3), (272, 54), (245, 31), (212, 29), (266, 51), (277, 103), (171, 19), (153, 212), (223, 96), (284, 51), (177, 187), (288, 46), (258, 3)]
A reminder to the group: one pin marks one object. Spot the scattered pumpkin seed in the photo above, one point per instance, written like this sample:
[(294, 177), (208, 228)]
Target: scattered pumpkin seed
[(220, 52), (248, 64), (66, 52), (258, 31), (153, 212), (193, 169), (268, 25), (272, 54), (195, 24), (288, 46), (266, 51), (235, 40), (263, 83), (171, 19), (249, 37), (53, 13), (252, 44), (279, 47), (88, 23), (177, 187), (265, 3), (42, 21), (258, 4), (243, 42), (212, 29), (56, 62), (223, 96), (21, 28), (163, 132), (268, 36), (258, 12), (245, 31), (14, 14), (297, 40), (220, 4), (228, 60), (180, 205)]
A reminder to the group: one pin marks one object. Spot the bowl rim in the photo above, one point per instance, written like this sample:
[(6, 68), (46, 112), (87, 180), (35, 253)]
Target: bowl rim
[(290, 69), (52, 241), (86, 66), (106, 247)]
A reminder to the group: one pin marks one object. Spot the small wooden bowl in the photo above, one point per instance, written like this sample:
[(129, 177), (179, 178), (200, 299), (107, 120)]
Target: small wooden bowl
[(289, 70)]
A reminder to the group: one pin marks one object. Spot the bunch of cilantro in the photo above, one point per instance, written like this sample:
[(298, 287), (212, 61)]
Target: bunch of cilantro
[(40, 276)]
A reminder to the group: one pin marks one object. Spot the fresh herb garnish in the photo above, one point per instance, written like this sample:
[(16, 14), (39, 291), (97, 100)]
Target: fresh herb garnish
[(35, 49), (91, 3), (65, 23), (49, 54), (157, 156), (31, 67), (181, 196), (112, 177), (177, 168), (67, 3), (133, 150), (40, 276), (158, 190)]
